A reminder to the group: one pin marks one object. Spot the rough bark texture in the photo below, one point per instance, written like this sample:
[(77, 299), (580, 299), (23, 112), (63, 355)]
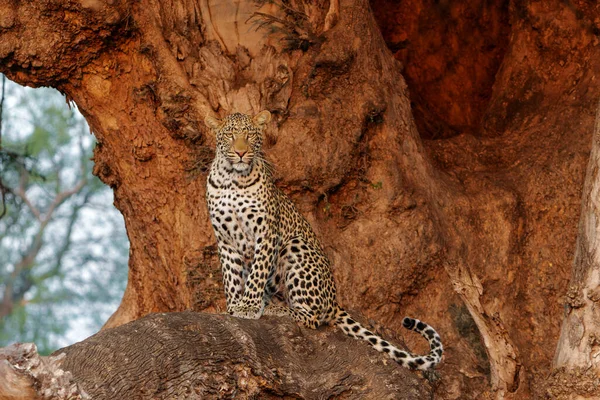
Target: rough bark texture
[(203, 356), (472, 232), (27, 376), (577, 363), (523, 163), (451, 52)]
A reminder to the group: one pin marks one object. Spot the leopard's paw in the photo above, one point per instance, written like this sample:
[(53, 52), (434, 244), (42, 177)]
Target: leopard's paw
[(246, 311)]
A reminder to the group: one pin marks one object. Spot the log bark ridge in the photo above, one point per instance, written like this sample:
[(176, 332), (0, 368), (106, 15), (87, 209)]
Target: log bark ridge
[(205, 356)]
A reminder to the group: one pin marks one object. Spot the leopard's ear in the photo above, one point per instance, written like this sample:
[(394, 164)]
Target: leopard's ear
[(212, 122), (262, 118)]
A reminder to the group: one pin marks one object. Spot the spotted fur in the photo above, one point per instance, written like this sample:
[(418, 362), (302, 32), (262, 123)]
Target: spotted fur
[(268, 250)]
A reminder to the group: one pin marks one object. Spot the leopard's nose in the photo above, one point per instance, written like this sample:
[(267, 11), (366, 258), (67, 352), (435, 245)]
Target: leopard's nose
[(240, 146)]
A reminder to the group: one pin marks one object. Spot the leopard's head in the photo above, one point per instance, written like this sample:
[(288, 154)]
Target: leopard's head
[(239, 137)]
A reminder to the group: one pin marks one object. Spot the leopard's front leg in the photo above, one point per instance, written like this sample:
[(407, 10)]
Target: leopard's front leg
[(265, 258), (232, 267)]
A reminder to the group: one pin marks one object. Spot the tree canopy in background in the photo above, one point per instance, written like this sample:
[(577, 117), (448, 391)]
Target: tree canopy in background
[(63, 247)]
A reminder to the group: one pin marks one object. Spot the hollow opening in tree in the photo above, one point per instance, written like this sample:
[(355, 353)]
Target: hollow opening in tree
[(450, 52)]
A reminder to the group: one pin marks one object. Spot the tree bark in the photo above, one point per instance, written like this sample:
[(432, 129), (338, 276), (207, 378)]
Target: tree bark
[(203, 356), (576, 362), (467, 233)]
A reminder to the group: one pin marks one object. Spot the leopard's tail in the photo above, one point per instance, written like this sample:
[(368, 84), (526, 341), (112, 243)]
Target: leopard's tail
[(357, 331)]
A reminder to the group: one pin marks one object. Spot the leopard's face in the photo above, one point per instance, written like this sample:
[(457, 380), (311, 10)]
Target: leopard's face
[(239, 138)]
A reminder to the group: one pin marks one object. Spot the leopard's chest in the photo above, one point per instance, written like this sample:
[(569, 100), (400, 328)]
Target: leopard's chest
[(234, 215)]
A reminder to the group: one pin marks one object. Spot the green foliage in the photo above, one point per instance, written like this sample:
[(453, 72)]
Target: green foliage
[(63, 247)]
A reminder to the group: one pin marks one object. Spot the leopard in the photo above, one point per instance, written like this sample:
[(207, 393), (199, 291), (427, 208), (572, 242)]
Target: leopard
[(272, 262)]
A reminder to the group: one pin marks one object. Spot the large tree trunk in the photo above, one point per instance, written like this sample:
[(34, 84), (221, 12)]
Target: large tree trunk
[(577, 359), (470, 233)]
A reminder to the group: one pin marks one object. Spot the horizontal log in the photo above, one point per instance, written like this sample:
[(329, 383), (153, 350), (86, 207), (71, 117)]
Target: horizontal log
[(196, 355)]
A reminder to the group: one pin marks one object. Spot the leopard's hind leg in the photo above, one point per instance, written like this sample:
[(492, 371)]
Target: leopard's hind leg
[(306, 285), (300, 315)]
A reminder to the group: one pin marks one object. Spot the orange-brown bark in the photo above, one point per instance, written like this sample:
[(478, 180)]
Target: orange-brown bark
[(451, 52), (524, 155), (576, 364), (473, 233)]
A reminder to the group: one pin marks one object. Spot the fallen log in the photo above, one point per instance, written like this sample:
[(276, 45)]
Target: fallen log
[(190, 355)]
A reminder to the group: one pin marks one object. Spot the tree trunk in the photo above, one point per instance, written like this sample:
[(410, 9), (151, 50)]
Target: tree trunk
[(470, 233), (202, 356), (576, 362)]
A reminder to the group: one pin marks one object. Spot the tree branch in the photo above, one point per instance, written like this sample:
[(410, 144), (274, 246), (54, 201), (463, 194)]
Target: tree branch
[(197, 355), (61, 197), (8, 298), (26, 375), (20, 192), (66, 244), (40, 48)]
